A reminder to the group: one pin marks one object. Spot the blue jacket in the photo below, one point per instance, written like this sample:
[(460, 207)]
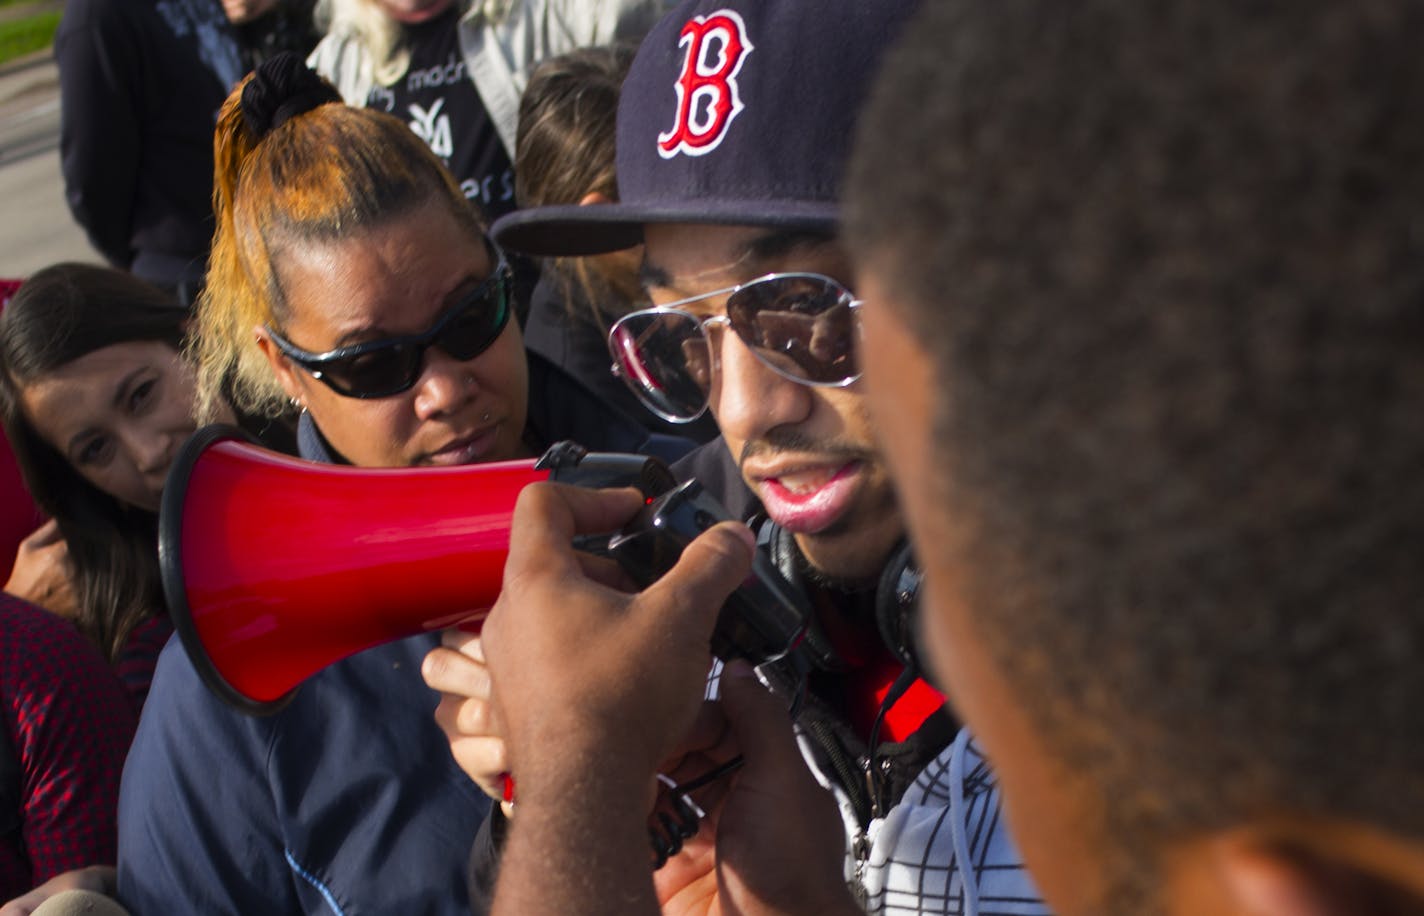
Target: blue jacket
[(347, 801)]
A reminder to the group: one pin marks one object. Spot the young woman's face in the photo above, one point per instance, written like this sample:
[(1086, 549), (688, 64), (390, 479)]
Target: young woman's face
[(396, 280), (118, 415)]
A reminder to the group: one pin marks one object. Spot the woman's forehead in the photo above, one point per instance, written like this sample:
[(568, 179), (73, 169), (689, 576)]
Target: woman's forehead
[(392, 279), (86, 390)]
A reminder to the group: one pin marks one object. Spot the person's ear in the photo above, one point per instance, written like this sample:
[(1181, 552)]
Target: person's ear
[(287, 376), (1265, 883), (595, 197), (1265, 878)]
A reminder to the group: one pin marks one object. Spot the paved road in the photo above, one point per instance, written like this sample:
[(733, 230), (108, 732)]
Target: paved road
[(35, 226)]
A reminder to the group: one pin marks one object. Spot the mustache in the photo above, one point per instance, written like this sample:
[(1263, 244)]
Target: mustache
[(779, 441)]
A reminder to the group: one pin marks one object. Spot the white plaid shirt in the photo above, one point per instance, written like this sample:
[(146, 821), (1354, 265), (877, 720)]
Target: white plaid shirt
[(912, 865)]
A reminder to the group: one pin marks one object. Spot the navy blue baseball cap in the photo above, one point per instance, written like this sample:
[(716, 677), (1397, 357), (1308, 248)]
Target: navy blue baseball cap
[(737, 112)]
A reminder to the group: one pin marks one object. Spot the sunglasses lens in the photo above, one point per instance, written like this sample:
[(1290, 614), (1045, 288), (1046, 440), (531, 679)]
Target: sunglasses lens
[(477, 321), (392, 367), (801, 326), (664, 358), (376, 373)]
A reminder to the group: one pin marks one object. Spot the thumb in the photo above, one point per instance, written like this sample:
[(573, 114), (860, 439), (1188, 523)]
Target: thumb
[(709, 570), (759, 721)]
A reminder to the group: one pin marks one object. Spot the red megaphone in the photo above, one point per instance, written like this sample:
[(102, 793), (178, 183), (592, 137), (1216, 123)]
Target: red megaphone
[(274, 567)]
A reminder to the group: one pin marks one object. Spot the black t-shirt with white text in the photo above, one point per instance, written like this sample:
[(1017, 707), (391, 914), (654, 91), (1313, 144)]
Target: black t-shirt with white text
[(438, 100)]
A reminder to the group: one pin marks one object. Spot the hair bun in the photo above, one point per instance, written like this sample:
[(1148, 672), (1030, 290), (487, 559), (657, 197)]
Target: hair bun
[(282, 88)]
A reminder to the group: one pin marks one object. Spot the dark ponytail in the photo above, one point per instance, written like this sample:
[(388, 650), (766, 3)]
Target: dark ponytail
[(279, 90)]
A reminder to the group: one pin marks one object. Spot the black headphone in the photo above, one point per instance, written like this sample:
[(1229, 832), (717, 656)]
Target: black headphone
[(896, 596)]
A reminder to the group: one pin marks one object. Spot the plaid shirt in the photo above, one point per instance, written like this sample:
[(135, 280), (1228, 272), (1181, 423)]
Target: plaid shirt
[(913, 864), (910, 865), (67, 727)]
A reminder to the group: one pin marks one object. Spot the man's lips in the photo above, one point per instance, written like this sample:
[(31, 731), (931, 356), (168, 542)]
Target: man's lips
[(806, 499), (466, 449)]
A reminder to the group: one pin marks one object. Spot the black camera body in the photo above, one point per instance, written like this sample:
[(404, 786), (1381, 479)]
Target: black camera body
[(763, 620)]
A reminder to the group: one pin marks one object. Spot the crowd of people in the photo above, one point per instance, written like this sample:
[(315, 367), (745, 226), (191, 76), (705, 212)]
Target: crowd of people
[(1063, 361)]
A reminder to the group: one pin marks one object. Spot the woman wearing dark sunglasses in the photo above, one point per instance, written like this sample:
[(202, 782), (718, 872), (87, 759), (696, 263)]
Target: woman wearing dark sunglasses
[(351, 280)]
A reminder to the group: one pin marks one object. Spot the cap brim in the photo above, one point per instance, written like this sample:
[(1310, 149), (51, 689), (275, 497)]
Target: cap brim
[(577, 231)]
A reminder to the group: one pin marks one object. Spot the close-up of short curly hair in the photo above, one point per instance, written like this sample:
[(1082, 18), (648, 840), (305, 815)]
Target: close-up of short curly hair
[(1166, 259)]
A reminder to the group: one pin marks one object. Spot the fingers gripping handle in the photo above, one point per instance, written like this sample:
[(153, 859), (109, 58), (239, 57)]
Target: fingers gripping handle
[(764, 619)]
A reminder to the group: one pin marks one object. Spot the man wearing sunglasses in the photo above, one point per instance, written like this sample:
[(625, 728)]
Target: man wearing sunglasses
[(733, 128)]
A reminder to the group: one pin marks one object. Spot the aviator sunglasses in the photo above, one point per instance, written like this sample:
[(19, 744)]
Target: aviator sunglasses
[(801, 326), (385, 367)]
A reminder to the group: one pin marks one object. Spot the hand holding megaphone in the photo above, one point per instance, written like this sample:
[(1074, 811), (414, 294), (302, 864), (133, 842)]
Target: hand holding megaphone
[(456, 669), (274, 567), (588, 675)]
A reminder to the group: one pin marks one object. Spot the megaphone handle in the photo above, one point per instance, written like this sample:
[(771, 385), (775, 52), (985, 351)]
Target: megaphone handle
[(670, 832), (597, 544)]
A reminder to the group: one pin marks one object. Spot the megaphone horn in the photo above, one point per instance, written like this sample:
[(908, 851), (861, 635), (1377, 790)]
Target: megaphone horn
[(274, 567)]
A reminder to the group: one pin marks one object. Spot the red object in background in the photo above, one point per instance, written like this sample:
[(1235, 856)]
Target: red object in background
[(18, 515), (275, 567)]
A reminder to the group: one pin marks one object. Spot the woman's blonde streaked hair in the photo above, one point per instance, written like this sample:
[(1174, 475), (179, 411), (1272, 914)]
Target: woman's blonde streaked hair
[(370, 26), (313, 179)]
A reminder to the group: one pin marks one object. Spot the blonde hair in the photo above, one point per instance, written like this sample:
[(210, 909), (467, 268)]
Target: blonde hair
[(376, 31), (310, 178)]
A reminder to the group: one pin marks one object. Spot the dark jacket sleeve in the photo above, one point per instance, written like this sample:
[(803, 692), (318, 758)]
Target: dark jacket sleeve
[(347, 800), (191, 835), (484, 861), (99, 143)]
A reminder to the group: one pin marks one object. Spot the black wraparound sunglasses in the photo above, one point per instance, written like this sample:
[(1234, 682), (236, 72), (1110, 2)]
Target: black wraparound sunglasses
[(386, 367)]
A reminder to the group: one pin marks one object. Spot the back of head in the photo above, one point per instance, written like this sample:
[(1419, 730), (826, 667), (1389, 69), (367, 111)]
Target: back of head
[(58, 315), (564, 149), (295, 168), (1166, 260)]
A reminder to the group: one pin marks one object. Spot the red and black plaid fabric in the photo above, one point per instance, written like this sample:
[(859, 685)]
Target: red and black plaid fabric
[(68, 724), (18, 515)]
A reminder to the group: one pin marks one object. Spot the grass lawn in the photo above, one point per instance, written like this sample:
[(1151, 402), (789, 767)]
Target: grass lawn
[(32, 33)]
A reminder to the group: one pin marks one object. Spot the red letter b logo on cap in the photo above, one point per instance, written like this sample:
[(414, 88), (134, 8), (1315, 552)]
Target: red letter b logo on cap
[(707, 99)]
